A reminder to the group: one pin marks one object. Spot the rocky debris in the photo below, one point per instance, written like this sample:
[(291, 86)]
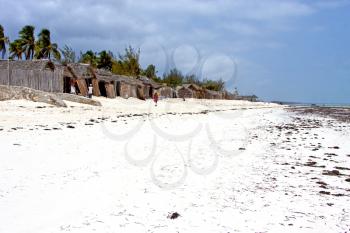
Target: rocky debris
[(332, 173), (321, 183), (78, 99), (330, 154), (16, 93), (342, 168), (173, 215), (56, 99), (339, 114), (313, 164)]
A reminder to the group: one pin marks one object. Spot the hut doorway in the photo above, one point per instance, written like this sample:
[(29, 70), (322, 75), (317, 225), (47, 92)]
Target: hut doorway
[(102, 87), (117, 86), (150, 92), (66, 84)]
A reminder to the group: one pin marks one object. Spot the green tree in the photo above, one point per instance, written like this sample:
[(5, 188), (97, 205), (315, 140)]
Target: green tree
[(214, 85), (128, 63), (150, 72), (3, 41), (45, 48), (89, 57), (173, 78), (68, 55), (105, 60), (16, 49), (192, 79), (27, 37)]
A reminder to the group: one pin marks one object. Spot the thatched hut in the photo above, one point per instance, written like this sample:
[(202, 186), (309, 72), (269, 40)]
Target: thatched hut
[(190, 91), (166, 92), (228, 95), (251, 98), (149, 86), (209, 94), (105, 83), (81, 75), (41, 75), (184, 92), (128, 87)]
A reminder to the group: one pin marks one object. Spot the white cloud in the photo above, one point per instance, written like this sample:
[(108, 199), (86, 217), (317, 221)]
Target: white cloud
[(222, 26)]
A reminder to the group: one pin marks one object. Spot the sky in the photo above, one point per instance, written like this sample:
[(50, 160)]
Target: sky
[(287, 50)]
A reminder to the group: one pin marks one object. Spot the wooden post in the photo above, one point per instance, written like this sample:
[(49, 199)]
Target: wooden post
[(82, 87), (110, 90), (95, 87)]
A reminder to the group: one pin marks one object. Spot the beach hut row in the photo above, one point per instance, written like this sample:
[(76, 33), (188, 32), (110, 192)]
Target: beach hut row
[(44, 75)]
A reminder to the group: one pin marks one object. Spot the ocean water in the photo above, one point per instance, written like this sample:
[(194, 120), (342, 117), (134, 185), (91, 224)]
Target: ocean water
[(324, 105)]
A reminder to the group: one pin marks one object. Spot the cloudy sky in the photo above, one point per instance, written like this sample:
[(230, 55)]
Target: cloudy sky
[(292, 50)]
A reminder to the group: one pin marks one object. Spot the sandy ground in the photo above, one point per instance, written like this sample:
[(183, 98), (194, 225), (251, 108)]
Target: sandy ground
[(128, 166)]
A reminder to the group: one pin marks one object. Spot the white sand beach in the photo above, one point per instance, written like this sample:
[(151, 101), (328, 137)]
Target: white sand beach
[(128, 166)]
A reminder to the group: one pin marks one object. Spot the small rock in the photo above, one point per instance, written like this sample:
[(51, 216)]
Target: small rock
[(174, 215), (331, 173)]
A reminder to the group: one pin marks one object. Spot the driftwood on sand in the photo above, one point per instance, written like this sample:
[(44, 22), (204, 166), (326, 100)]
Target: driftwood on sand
[(16, 93), (78, 99)]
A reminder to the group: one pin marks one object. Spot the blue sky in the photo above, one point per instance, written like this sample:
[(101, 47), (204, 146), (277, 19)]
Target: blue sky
[(290, 50)]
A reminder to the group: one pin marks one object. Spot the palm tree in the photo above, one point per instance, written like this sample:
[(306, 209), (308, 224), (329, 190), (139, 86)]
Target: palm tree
[(105, 60), (28, 41), (16, 49), (3, 41), (44, 48), (89, 57)]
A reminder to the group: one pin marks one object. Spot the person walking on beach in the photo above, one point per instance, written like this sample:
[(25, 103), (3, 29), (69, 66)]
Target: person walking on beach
[(90, 91), (72, 87), (155, 98)]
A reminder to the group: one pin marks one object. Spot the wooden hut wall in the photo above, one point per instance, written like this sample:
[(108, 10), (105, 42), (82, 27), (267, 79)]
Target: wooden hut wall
[(133, 91), (4, 77), (43, 80), (82, 87), (95, 87), (146, 91), (184, 93), (124, 90), (166, 92), (140, 92), (110, 90)]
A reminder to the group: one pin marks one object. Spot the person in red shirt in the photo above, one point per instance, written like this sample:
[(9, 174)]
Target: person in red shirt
[(155, 98)]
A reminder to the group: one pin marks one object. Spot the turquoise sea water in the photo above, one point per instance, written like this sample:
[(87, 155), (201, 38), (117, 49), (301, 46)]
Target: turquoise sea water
[(325, 105)]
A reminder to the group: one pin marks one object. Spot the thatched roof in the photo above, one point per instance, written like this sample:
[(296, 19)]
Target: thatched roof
[(192, 86), (107, 76), (127, 79), (147, 81), (27, 64), (80, 70), (213, 92)]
